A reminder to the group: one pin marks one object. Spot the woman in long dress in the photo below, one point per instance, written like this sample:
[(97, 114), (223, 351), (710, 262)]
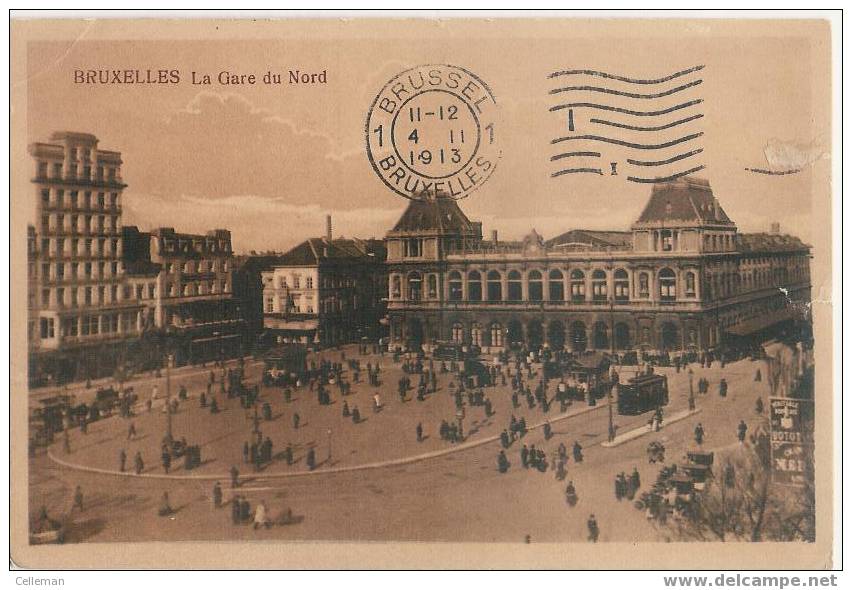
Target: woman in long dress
[(260, 516)]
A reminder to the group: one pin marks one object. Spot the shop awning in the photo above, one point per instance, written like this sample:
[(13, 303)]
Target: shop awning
[(760, 323)]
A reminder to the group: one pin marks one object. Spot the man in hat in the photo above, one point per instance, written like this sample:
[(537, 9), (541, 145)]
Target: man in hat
[(594, 532), (217, 495)]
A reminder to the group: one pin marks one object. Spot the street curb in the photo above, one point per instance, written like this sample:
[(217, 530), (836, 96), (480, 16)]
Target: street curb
[(640, 432), (363, 467)]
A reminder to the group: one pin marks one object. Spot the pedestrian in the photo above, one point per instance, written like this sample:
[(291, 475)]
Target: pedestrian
[(235, 510), (288, 454), (260, 519), (296, 420), (419, 432), (548, 431), (217, 495), (167, 460), (619, 491), (235, 477), (138, 463), (346, 411), (578, 452), (635, 480), (723, 388), (525, 455), (122, 460), (504, 439), (741, 431), (356, 415), (758, 406), (131, 431), (312, 459), (699, 434), (594, 532), (165, 507), (502, 462), (78, 498)]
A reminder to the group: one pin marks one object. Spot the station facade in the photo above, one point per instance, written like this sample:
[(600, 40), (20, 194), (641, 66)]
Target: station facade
[(682, 278)]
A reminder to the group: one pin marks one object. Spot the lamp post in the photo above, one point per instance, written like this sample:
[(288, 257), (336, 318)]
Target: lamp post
[(169, 360), (691, 392)]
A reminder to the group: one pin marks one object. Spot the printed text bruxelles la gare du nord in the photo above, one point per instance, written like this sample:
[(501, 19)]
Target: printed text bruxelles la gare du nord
[(223, 78)]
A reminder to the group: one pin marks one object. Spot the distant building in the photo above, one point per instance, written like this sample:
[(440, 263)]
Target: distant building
[(325, 292), (682, 278), (194, 302), (100, 294)]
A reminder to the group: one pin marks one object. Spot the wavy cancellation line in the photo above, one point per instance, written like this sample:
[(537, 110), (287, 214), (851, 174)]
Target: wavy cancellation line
[(597, 171), (665, 178), (605, 107), (575, 155), (638, 146), (772, 172), (625, 78), (651, 95), (647, 128), (671, 160)]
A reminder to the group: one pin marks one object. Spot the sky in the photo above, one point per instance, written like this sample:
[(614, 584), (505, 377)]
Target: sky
[(269, 162)]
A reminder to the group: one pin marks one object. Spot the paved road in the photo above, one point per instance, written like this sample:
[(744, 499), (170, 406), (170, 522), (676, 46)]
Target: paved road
[(455, 497)]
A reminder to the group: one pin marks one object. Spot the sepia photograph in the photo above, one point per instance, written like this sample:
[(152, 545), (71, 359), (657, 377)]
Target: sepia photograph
[(423, 293)]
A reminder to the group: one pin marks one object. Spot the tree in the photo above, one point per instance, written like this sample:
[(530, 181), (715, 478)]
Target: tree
[(740, 502)]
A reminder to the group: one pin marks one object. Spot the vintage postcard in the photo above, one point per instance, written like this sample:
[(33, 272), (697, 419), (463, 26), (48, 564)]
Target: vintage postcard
[(423, 293)]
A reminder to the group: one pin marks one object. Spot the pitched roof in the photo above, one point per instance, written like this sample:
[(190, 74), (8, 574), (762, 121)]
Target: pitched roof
[(763, 242), (440, 214), (593, 238), (684, 200), (313, 251)]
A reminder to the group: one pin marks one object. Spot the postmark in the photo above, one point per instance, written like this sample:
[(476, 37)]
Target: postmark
[(432, 130)]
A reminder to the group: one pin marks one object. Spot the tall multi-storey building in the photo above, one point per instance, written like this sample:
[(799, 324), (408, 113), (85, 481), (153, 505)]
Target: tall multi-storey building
[(682, 278), (326, 292), (80, 308), (100, 293)]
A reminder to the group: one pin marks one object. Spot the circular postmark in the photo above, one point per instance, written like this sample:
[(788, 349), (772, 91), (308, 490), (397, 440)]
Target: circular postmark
[(431, 132)]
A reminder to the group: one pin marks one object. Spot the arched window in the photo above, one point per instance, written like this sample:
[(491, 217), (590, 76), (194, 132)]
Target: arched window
[(668, 285), (690, 284), (644, 285), (396, 287), (496, 334), (476, 334), (599, 290), (474, 286), (415, 286), (455, 283), (458, 333), (514, 286), (534, 286), (556, 288), (578, 285), (621, 284), (495, 287)]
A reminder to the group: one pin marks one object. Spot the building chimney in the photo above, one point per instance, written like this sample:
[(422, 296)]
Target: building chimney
[(328, 227), (775, 228), (494, 236)]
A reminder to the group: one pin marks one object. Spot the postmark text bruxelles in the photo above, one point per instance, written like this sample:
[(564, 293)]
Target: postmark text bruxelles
[(431, 131)]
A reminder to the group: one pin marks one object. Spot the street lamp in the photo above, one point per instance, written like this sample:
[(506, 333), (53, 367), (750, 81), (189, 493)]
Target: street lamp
[(691, 392), (169, 360)]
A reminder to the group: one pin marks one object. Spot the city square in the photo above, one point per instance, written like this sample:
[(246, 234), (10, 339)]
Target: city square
[(379, 478)]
